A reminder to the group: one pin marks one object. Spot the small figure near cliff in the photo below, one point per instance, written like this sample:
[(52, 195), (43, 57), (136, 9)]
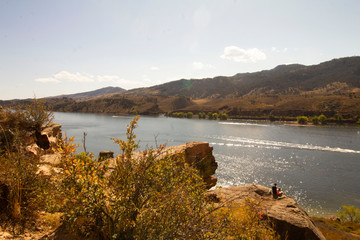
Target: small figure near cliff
[(279, 192), (274, 191)]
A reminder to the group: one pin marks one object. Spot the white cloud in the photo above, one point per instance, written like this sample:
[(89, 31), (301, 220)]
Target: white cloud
[(154, 68), (200, 65), (47, 80), (74, 77), (237, 54)]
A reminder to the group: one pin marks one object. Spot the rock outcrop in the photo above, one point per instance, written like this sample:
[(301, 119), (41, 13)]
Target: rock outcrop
[(288, 219), (44, 142), (199, 155)]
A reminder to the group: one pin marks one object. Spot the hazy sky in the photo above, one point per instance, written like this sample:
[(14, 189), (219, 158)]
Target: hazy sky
[(50, 47)]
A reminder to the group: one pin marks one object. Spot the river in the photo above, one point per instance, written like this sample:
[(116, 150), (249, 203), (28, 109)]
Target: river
[(317, 165)]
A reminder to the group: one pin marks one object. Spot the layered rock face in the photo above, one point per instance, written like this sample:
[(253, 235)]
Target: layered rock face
[(199, 155), (288, 219)]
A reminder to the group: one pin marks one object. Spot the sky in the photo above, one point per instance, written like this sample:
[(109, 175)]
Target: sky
[(49, 47)]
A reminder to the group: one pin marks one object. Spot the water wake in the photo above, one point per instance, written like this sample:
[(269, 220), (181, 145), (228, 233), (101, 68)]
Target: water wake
[(258, 143), (244, 124)]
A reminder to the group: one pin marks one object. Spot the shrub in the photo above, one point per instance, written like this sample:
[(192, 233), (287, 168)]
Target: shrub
[(302, 119), (322, 119), (209, 115), (246, 221), (349, 213), (339, 118), (272, 118), (223, 116), (315, 120), (189, 115), (202, 115), (38, 115), (18, 169)]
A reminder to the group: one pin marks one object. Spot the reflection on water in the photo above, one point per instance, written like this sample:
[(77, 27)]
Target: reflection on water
[(318, 166)]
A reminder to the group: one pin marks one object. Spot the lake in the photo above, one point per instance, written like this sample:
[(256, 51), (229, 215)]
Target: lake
[(317, 165)]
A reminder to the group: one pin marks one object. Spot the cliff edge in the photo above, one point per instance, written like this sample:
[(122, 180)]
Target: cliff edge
[(288, 219)]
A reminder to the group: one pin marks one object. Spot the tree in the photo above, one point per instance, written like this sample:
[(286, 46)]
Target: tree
[(322, 119), (315, 120), (349, 213), (215, 116), (302, 119), (223, 116), (339, 118), (202, 115)]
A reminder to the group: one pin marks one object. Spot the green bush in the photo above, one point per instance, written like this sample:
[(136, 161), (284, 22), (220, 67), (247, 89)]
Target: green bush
[(302, 119), (322, 119), (339, 118), (315, 120), (349, 213), (223, 116), (189, 115), (202, 115)]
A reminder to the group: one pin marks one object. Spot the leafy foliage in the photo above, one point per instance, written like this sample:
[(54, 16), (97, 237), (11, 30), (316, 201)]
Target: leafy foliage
[(302, 119), (18, 169), (322, 119), (349, 213)]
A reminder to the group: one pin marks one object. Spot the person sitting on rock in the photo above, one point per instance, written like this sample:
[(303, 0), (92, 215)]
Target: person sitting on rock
[(274, 191), (279, 192)]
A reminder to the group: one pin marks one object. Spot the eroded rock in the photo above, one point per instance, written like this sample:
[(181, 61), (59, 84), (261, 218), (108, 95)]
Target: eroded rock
[(199, 155), (286, 216)]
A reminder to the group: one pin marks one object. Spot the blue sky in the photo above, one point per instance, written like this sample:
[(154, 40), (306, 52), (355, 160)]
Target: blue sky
[(50, 48)]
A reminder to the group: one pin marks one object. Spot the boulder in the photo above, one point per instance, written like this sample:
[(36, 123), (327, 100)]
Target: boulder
[(288, 219), (199, 155), (46, 141)]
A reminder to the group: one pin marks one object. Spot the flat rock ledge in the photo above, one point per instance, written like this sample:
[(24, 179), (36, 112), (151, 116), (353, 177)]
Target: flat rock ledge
[(288, 219)]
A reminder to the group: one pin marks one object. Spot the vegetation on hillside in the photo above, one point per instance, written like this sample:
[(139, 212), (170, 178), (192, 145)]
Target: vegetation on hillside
[(285, 92)]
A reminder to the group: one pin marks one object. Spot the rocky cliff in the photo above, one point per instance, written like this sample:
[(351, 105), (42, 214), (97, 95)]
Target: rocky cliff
[(288, 219), (199, 155)]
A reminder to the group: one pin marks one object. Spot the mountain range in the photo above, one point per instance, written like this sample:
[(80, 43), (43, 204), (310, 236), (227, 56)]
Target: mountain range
[(331, 87)]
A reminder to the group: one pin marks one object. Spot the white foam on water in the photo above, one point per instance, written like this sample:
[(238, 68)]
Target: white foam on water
[(259, 143), (244, 124)]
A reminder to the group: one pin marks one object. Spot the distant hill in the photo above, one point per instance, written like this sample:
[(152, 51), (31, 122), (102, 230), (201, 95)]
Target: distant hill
[(284, 79), (91, 94), (331, 88)]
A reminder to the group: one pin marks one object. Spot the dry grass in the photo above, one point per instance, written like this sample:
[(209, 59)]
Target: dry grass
[(335, 230)]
